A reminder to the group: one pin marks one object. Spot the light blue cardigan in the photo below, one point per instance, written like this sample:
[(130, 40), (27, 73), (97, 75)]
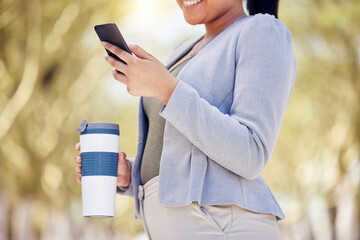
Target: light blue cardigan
[(223, 118)]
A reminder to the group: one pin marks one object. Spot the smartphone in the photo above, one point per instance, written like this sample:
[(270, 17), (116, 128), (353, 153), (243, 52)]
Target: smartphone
[(109, 32)]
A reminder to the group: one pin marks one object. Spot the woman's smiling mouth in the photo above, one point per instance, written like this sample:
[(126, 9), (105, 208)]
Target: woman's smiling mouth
[(189, 3)]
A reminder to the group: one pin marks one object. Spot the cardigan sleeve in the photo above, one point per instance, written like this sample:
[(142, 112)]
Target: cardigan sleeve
[(243, 140)]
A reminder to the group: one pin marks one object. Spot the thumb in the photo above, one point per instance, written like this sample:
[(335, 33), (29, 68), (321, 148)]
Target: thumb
[(123, 165), (139, 52)]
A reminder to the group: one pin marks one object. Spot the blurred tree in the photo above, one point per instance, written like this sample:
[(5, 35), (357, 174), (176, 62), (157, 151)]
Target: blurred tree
[(50, 65), (318, 153), (52, 76)]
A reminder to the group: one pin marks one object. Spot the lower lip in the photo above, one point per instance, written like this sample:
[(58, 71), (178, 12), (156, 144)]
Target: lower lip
[(191, 6)]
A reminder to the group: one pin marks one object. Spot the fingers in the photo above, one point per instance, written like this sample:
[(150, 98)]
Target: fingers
[(78, 170), (139, 52), (124, 171), (124, 165), (125, 56), (116, 64), (122, 155), (122, 158), (120, 77), (78, 180), (77, 146), (78, 159)]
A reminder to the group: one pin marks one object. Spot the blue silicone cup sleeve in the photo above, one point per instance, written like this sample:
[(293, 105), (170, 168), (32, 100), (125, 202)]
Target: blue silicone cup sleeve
[(99, 164)]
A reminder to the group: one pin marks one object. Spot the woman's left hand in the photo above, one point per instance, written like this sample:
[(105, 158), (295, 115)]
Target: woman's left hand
[(143, 74)]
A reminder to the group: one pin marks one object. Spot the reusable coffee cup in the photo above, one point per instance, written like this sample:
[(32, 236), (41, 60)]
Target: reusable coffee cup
[(99, 153)]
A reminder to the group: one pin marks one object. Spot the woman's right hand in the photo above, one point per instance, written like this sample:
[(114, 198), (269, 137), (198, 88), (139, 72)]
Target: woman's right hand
[(124, 169)]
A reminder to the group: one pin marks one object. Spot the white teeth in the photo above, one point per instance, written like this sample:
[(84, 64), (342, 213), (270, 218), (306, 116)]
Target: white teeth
[(191, 2)]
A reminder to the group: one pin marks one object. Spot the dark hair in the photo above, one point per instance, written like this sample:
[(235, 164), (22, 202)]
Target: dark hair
[(263, 6)]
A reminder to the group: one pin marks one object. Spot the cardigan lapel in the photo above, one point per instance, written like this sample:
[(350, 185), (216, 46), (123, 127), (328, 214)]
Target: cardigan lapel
[(181, 51)]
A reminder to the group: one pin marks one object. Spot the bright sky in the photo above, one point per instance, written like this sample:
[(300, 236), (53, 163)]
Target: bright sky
[(157, 25)]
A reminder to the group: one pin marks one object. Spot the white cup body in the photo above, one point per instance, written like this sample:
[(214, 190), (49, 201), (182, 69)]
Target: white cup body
[(98, 188)]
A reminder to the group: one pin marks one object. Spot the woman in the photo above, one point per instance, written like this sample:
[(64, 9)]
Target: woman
[(208, 123)]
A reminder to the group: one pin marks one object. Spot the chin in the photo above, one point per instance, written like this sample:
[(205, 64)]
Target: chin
[(192, 21)]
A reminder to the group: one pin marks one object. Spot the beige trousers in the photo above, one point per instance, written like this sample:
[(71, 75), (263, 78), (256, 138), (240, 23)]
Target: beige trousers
[(195, 222)]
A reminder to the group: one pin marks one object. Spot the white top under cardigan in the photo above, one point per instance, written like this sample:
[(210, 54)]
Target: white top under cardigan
[(223, 118)]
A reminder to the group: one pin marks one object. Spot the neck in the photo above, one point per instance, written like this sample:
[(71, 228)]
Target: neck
[(218, 25)]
